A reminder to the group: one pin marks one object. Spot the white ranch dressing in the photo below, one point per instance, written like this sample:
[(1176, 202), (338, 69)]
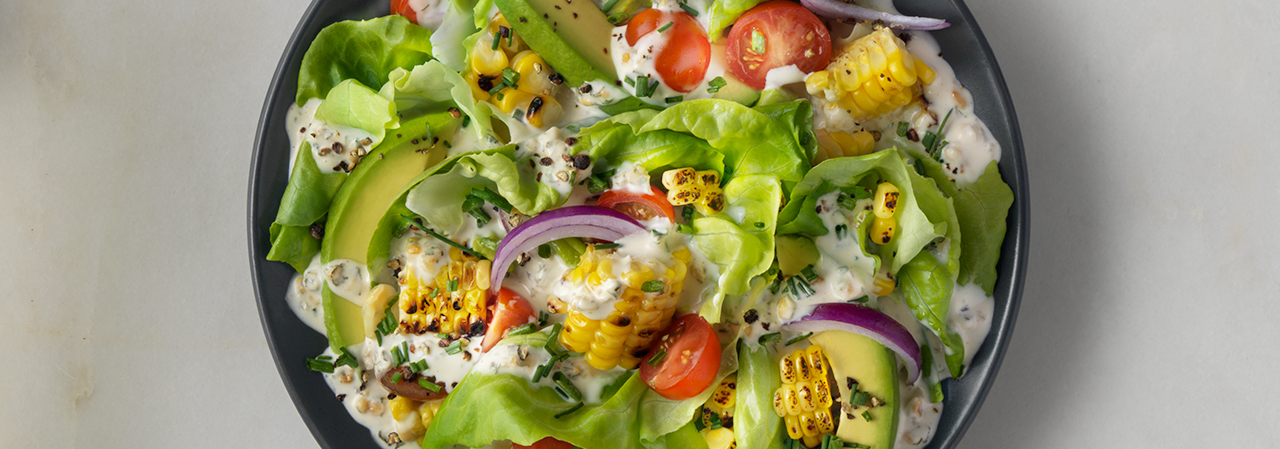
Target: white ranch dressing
[(631, 178), (777, 77), (522, 360), (304, 295), (348, 279), (844, 272), (535, 280), (970, 317), (970, 146), (549, 160), (331, 145), (431, 13)]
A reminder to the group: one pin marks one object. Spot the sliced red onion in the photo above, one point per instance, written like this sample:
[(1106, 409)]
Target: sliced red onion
[(867, 322), (837, 9), (595, 222)]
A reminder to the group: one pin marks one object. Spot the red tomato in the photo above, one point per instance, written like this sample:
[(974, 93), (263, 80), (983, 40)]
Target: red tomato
[(683, 62), (690, 359), (775, 34), (545, 443), (510, 311), (639, 207), (402, 7)]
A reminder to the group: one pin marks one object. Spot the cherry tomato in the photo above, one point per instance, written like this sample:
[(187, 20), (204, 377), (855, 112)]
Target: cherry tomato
[(639, 207), (545, 443), (508, 312), (402, 7), (775, 34), (683, 62), (688, 354)]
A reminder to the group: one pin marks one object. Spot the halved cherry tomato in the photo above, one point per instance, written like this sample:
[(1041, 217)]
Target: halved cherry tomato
[(402, 7), (545, 443), (508, 312), (683, 62), (776, 34), (639, 207), (688, 358)]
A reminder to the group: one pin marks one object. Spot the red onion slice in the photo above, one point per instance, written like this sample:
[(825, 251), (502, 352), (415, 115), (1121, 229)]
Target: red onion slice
[(837, 9), (595, 222), (867, 322)]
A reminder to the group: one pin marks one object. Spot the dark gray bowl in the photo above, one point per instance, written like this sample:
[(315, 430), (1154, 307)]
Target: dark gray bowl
[(291, 341)]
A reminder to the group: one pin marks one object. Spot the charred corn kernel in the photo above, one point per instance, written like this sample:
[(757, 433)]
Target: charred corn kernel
[(882, 285), (510, 42), (804, 399), (453, 303), (871, 76), (882, 229), (541, 111), (700, 188), (375, 307), (408, 422), (477, 83), (509, 99), (622, 338), (886, 200), (720, 438), (721, 404), (485, 60), (427, 412), (535, 75)]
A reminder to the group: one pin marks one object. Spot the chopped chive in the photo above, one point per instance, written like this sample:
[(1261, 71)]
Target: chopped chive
[(697, 425), (324, 358), (859, 399), (608, 5), (452, 285), (664, 27), (770, 338), (499, 96), (542, 319), (848, 203), (418, 366), (686, 212), (941, 126), (544, 251), (860, 299), (927, 140), (510, 77), (595, 184), (345, 358), (642, 85), (866, 415), (553, 337), (397, 377), (684, 228), (799, 338), (454, 347), (522, 330), (607, 245), (424, 383), (715, 420), (759, 225), (654, 286), (841, 231), (496, 39), (570, 390), (567, 412), (407, 220), (653, 88), (808, 273), (441, 335), (657, 357), (629, 81), (320, 365), (675, 99), (689, 9), (493, 198), (466, 121), (716, 84), (902, 128)]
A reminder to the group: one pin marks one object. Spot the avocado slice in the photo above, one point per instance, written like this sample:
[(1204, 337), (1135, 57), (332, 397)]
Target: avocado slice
[(360, 204), (737, 91), (875, 369), (624, 10)]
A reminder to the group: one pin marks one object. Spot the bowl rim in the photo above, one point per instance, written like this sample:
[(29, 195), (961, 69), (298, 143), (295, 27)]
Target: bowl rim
[(971, 390)]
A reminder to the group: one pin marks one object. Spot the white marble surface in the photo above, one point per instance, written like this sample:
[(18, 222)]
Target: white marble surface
[(127, 317)]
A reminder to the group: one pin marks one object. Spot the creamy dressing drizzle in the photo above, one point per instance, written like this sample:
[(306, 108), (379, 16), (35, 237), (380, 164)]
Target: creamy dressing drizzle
[(331, 145), (304, 295), (522, 360), (348, 279), (970, 317), (549, 160)]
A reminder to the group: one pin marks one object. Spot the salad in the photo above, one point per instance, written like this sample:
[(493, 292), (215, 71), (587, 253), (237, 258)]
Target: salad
[(640, 223)]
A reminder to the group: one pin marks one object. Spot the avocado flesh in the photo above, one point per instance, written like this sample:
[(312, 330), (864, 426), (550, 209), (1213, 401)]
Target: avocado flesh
[(573, 37), (360, 204), (737, 91), (875, 370)]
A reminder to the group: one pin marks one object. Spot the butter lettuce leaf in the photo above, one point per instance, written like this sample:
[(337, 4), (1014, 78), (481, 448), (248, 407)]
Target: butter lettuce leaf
[(434, 87), (753, 417), (982, 208), (364, 51), (439, 198), (926, 285), (353, 105), (753, 142), (305, 202)]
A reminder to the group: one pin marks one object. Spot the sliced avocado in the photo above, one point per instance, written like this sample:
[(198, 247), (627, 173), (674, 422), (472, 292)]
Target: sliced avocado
[(571, 36), (360, 204), (624, 10), (737, 91), (875, 371)]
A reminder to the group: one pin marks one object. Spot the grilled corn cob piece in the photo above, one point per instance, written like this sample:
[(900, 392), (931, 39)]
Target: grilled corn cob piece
[(804, 400), (647, 293), (453, 304), (872, 76), (699, 188), (719, 410), (839, 144)]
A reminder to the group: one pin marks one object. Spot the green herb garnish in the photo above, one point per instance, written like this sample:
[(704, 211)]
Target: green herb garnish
[(454, 347), (657, 357), (799, 338), (771, 337), (565, 387), (320, 365), (409, 221), (567, 412), (654, 286), (424, 383), (716, 84), (664, 27)]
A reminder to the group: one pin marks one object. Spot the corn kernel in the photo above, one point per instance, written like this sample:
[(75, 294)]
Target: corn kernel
[(886, 200), (882, 230)]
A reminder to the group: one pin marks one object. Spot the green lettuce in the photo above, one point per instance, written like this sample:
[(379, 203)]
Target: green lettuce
[(982, 209), (433, 87), (305, 202), (753, 417), (924, 214), (926, 286), (743, 249), (439, 198), (446, 41), (365, 51), (753, 143), (353, 105)]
